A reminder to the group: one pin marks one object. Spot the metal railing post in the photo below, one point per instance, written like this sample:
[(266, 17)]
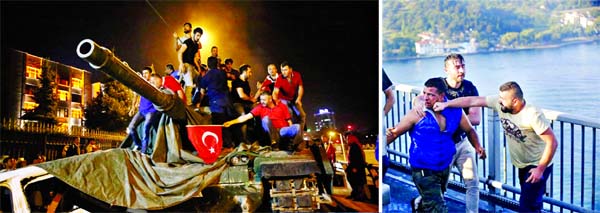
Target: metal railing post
[(494, 152)]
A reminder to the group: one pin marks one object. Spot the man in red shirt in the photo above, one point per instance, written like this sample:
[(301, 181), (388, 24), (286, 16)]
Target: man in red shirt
[(289, 89), (276, 121), (171, 83)]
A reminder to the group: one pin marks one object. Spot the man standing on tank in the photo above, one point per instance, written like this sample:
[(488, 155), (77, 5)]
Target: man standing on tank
[(189, 62), (214, 86), (290, 90)]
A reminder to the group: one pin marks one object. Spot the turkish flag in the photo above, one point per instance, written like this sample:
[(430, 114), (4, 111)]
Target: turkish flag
[(207, 139)]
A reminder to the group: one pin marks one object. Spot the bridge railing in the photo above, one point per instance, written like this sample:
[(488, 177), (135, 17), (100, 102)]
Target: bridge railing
[(572, 186)]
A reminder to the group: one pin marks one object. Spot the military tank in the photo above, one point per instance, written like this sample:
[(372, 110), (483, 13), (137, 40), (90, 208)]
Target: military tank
[(253, 177)]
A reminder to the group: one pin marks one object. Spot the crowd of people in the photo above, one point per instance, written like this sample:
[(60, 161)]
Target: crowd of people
[(441, 122), (274, 113)]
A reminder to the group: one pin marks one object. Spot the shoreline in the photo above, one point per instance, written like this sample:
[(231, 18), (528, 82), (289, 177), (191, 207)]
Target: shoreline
[(547, 46)]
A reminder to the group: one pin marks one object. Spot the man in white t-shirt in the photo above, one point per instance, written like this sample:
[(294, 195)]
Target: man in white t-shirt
[(531, 142)]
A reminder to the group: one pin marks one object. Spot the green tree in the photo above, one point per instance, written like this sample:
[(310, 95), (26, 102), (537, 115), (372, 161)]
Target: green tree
[(544, 36), (484, 44), (108, 111), (527, 36), (46, 96), (487, 20), (509, 39)]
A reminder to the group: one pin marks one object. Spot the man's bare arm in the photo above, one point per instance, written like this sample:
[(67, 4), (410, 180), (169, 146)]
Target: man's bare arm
[(466, 126), (198, 59), (405, 124), (389, 100), (462, 102), (275, 94), (551, 144), (180, 58), (243, 95), (241, 119), (300, 94), (177, 41)]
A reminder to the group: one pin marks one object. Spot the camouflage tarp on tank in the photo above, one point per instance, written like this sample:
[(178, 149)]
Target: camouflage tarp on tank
[(122, 177)]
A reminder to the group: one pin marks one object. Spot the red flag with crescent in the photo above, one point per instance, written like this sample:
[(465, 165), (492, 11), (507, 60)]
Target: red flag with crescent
[(207, 140)]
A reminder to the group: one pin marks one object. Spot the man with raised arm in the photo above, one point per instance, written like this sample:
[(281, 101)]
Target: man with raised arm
[(276, 121), (189, 62), (531, 142), (464, 159), (432, 147)]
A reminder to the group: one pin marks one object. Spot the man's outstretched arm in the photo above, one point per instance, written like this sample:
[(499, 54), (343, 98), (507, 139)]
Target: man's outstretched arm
[(471, 101)]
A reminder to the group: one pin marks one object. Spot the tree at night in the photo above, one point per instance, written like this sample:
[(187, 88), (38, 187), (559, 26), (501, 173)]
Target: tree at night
[(108, 111), (45, 96)]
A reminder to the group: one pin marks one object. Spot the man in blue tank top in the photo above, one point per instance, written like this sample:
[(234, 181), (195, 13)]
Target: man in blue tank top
[(465, 157), (432, 147)]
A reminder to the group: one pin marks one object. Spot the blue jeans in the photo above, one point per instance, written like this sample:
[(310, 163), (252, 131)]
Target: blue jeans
[(297, 110), (532, 193), (289, 132), (149, 120)]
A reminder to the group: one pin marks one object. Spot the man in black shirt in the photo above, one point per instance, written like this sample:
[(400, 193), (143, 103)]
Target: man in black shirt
[(243, 102), (189, 62)]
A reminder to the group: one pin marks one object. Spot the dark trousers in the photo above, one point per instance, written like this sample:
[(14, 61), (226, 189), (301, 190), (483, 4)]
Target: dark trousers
[(297, 113), (431, 185), (285, 138), (532, 193), (240, 131)]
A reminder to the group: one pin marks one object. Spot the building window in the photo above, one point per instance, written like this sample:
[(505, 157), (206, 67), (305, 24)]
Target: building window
[(62, 113), (77, 83), (75, 98), (27, 105), (76, 113), (32, 72), (63, 82), (63, 95)]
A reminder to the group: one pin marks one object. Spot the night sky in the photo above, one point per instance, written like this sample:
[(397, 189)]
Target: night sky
[(334, 45)]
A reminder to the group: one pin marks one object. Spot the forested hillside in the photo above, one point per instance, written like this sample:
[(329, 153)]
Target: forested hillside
[(493, 24)]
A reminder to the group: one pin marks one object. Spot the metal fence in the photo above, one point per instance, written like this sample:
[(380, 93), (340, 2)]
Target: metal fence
[(572, 186), (27, 140)]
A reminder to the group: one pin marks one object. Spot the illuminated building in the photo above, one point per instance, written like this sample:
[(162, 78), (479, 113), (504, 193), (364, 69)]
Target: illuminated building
[(324, 119), (21, 74)]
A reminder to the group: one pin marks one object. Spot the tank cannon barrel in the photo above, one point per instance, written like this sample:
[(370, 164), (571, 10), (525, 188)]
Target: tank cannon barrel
[(101, 58)]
